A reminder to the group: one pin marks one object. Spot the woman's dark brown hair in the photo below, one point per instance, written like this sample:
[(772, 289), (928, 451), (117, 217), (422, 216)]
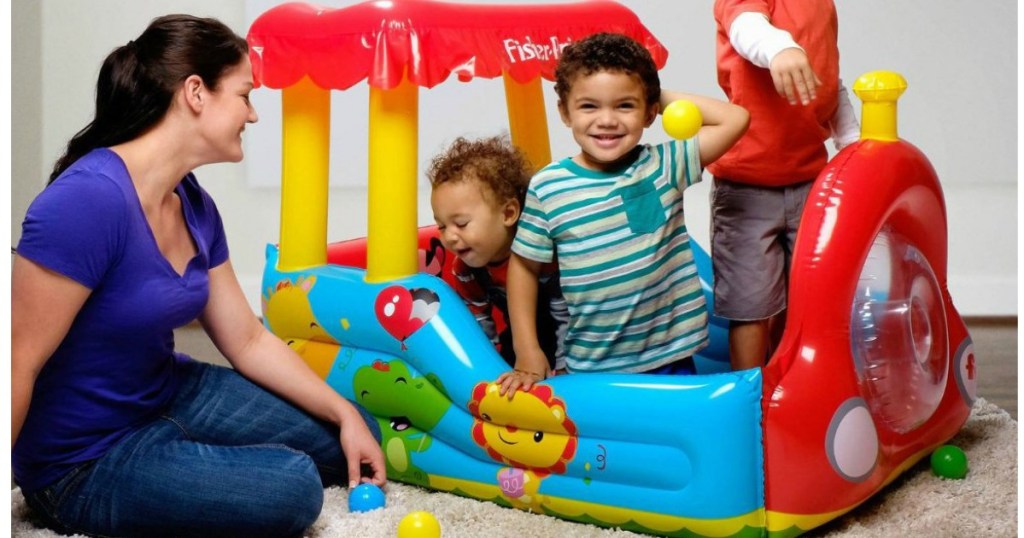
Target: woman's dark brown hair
[(138, 80)]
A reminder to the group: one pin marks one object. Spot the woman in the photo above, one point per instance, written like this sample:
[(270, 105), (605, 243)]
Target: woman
[(113, 432)]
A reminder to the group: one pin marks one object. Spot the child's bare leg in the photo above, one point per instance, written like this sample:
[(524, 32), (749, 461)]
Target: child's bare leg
[(748, 343), (777, 326)]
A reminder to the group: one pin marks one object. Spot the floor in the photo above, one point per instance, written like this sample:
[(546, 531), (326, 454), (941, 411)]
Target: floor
[(995, 347)]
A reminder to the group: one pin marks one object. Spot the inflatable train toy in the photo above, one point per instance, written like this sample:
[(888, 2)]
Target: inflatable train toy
[(874, 371)]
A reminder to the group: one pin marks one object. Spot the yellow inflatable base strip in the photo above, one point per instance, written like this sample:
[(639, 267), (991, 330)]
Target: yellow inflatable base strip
[(782, 524), (748, 524)]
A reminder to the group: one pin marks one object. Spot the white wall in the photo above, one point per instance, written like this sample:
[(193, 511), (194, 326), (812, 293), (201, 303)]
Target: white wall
[(960, 109)]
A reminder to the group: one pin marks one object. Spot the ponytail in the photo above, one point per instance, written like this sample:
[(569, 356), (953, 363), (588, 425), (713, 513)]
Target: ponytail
[(138, 80)]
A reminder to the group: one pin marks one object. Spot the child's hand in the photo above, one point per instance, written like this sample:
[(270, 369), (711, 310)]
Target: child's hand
[(519, 379), (793, 76)]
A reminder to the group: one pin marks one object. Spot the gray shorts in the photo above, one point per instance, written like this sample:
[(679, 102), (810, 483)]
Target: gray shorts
[(753, 231)]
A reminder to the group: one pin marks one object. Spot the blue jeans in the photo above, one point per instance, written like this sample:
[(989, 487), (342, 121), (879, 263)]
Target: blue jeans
[(226, 458)]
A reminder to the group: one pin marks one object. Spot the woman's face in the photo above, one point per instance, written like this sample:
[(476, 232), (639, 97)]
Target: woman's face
[(227, 113)]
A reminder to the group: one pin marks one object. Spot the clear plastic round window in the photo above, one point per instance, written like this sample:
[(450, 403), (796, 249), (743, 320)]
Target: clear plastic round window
[(898, 334)]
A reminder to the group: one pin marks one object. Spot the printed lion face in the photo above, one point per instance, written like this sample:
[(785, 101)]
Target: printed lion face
[(531, 431)]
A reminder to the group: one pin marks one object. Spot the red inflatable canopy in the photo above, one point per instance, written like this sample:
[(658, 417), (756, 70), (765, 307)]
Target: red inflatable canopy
[(380, 40)]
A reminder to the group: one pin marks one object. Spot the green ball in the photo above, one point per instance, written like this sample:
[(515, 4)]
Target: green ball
[(949, 461)]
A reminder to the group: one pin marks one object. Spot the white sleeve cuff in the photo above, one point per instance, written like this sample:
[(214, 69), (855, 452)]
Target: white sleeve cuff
[(845, 128), (756, 40)]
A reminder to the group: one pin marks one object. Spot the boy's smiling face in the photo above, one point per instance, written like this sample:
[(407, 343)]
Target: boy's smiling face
[(473, 225), (607, 113)]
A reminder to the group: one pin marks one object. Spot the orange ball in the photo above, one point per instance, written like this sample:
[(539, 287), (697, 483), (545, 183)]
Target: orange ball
[(682, 119)]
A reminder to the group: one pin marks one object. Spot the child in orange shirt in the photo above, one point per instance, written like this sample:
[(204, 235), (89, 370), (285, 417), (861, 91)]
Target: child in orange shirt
[(779, 59)]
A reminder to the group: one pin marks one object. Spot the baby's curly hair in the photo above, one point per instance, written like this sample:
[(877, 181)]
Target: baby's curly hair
[(493, 161), (607, 52)]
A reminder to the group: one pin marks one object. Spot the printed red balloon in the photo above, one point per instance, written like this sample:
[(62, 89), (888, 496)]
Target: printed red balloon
[(402, 311), (394, 308)]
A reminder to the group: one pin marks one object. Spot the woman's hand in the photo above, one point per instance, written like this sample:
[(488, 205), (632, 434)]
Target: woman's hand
[(360, 447)]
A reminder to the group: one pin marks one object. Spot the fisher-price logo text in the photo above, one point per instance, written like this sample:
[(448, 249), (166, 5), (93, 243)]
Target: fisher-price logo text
[(522, 51)]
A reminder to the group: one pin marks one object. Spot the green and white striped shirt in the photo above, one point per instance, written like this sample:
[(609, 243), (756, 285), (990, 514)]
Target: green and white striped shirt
[(626, 268)]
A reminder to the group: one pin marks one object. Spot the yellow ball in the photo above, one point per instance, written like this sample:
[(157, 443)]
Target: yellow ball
[(419, 524), (681, 119)]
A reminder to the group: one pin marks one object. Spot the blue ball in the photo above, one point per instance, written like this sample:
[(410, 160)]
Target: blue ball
[(365, 497)]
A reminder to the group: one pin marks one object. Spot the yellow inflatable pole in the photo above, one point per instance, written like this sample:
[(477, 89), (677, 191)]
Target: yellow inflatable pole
[(527, 120), (306, 129), (879, 91), (391, 234)]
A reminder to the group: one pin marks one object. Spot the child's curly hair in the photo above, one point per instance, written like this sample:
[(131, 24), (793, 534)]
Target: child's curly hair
[(607, 52), (493, 161)]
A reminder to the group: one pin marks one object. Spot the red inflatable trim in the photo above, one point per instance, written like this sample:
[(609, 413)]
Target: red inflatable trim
[(380, 40)]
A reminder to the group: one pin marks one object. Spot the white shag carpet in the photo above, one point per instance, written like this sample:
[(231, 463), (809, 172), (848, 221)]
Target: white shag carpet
[(984, 504)]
